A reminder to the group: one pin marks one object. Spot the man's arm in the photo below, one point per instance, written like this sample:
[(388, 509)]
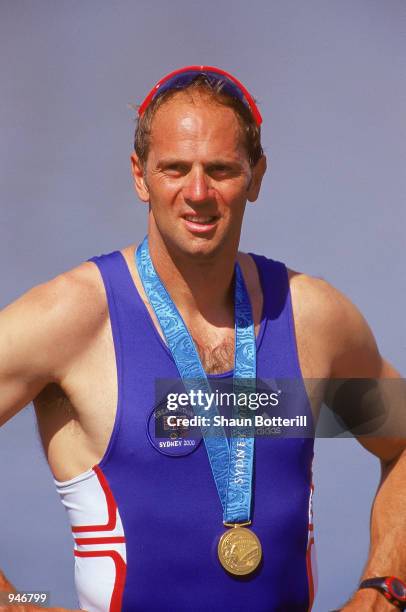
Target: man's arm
[(41, 334), (357, 356), (29, 336), (387, 553)]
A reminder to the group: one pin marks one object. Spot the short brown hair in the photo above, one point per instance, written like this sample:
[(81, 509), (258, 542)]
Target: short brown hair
[(249, 127)]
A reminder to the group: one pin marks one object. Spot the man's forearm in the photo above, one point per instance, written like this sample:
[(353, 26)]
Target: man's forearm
[(387, 555), (5, 585)]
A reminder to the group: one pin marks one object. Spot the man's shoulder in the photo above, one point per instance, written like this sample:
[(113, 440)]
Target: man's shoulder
[(51, 324), (313, 298), (73, 299), (312, 295), (330, 321), (316, 298), (78, 290)]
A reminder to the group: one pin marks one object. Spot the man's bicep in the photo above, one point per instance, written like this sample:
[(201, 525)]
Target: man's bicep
[(365, 392), (390, 439), (369, 401), (372, 410), (45, 331), (25, 355)]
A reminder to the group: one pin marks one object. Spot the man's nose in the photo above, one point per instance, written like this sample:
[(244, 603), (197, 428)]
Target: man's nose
[(197, 186)]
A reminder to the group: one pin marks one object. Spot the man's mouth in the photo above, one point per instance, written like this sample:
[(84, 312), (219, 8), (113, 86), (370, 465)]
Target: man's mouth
[(200, 224), (200, 219)]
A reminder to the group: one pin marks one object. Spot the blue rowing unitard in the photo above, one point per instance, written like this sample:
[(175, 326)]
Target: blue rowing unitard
[(146, 520)]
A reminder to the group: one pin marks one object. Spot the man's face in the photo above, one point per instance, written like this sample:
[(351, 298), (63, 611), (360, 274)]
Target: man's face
[(197, 177)]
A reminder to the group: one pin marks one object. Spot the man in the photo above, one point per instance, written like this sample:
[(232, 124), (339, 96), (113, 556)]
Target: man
[(88, 346)]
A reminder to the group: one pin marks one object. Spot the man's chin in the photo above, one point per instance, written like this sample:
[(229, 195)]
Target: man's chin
[(199, 248), (183, 244)]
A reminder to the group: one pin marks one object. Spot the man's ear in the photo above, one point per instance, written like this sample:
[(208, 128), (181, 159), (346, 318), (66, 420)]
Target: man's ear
[(139, 180), (258, 172)]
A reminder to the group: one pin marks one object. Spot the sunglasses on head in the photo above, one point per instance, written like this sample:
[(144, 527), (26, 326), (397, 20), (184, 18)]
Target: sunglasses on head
[(179, 79)]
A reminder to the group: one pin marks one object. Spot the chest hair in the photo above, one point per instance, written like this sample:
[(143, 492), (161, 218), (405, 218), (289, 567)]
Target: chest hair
[(216, 359)]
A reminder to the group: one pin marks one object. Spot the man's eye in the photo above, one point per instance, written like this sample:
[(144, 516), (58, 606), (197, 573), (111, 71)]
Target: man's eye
[(220, 170), (176, 169)]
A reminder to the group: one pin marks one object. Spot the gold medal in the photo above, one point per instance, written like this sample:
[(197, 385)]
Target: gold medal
[(239, 551)]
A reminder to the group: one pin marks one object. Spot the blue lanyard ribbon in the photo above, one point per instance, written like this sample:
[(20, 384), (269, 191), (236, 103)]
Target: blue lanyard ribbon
[(231, 463)]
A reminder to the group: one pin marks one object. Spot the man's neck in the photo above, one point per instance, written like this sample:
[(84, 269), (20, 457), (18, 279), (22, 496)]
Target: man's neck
[(199, 287)]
